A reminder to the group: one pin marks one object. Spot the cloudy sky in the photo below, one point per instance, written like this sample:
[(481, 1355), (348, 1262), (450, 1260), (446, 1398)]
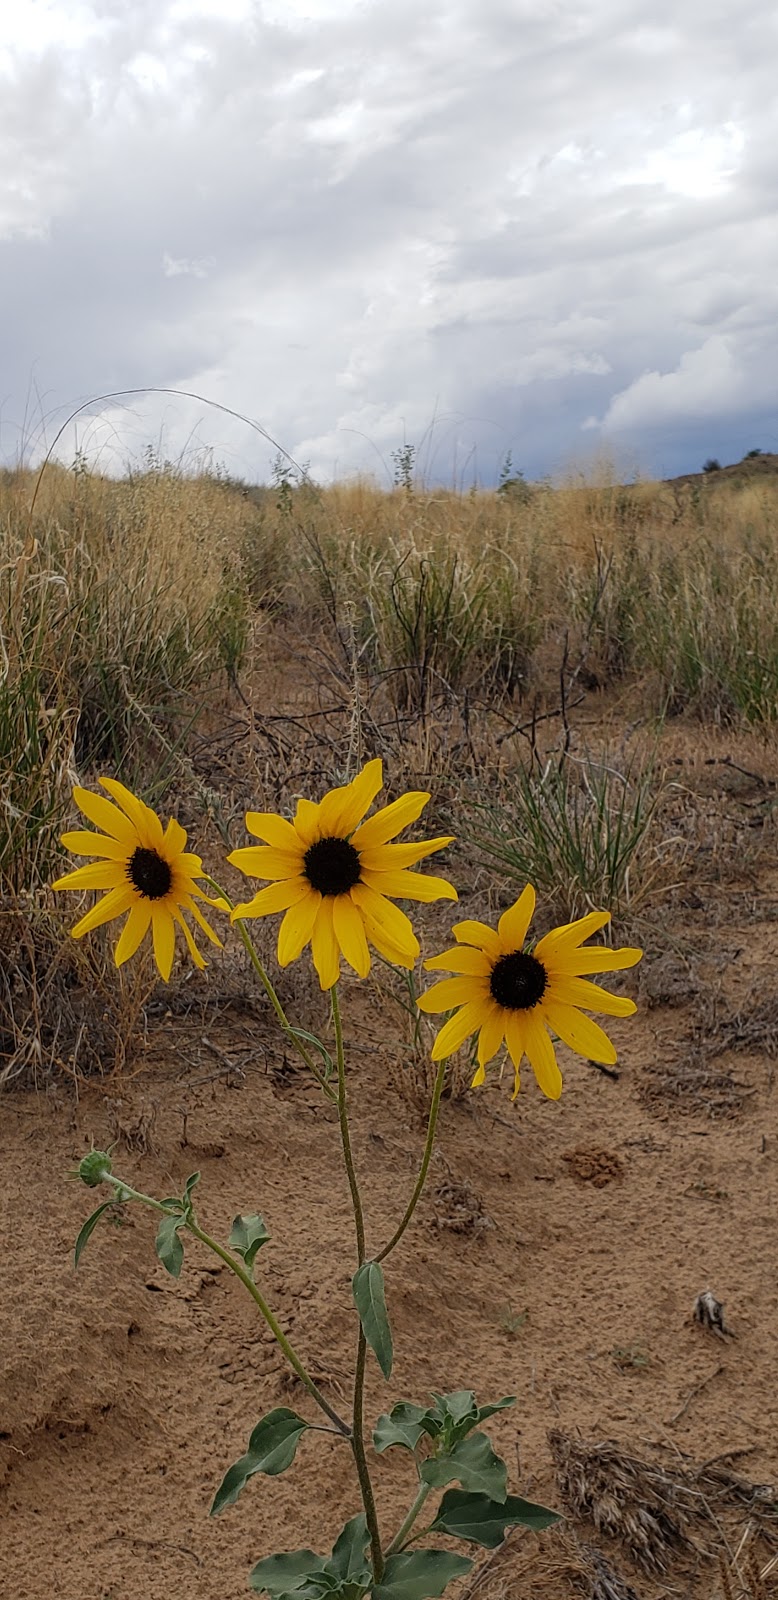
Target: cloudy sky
[(473, 226)]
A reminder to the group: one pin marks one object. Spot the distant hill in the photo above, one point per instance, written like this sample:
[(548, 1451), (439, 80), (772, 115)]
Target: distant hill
[(762, 466)]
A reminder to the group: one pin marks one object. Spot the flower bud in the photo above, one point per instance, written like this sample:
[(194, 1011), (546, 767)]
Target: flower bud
[(94, 1168)]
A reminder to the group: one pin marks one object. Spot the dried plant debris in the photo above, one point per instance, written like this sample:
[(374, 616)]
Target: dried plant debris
[(590, 1165), (753, 1028), (641, 1505), (458, 1209), (668, 981), (654, 1510), (709, 1312), (691, 1085)]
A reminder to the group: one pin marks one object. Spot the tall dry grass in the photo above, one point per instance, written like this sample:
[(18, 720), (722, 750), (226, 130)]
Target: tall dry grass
[(126, 607)]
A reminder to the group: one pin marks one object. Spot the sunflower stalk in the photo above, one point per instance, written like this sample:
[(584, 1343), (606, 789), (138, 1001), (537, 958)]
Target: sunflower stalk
[(357, 1424)]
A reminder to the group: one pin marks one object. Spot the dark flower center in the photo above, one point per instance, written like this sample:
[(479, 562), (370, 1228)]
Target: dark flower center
[(150, 874), (332, 866), (518, 981)]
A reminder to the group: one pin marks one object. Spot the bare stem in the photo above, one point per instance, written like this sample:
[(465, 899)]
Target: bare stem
[(424, 1168), (357, 1423)]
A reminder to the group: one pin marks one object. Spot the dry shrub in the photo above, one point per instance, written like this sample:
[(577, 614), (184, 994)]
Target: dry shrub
[(657, 1512), (63, 1006)]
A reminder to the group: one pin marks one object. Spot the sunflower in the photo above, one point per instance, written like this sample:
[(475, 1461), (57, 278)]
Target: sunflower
[(145, 870), (511, 992), (332, 875)]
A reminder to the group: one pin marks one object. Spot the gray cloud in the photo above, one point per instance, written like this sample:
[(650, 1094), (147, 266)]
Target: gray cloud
[(550, 229)]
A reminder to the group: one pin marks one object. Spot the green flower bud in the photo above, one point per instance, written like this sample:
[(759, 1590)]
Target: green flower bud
[(94, 1168)]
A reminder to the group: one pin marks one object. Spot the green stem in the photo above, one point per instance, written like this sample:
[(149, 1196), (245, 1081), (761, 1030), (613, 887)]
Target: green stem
[(357, 1423), (345, 1136), (256, 963), (424, 1168), (273, 1324), (126, 1191), (425, 1490)]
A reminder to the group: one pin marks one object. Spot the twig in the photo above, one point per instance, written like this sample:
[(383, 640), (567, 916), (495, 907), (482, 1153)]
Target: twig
[(698, 1387)]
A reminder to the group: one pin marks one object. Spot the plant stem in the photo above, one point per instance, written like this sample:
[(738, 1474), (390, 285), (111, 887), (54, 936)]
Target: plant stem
[(250, 947), (274, 1326), (424, 1168), (357, 1423), (126, 1191), (345, 1137), (425, 1489)]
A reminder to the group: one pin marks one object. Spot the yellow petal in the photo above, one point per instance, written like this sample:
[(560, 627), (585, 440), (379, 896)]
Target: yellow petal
[(297, 927), (189, 905), (570, 934), (306, 822), (112, 905), (577, 992), (198, 960), (83, 843), (480, 1077), (410, 886), (164, 933), (276, 897), (390, 952), (106, 816), (133, 932), (174, 840), (579, 1033), (342, 809), (458, 1028), (324, 945), (460, 959), (478, 934), (143, 818), (349, 931), (98, 875), (598, 958), (491, 1035), (390, 820), (387, 921), (513, 924), (515, 1033), (274, 830), (542, 1059), (388, 857), (265, 861), (450, 993)]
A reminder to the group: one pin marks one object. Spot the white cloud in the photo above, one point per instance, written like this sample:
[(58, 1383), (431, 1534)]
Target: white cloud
[(527, 221)]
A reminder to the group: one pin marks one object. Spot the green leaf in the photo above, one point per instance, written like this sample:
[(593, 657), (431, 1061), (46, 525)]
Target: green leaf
[(499, 1405), (272, 1448), (88, 1229), (483, 1521), (168, 1245), (417, 1574), (473, 1463), (404, 1425), (457, 1411), (370, 1301), (310, 1038), (247, 1236), (194, 1177), (287, 1573), (348, 1560)]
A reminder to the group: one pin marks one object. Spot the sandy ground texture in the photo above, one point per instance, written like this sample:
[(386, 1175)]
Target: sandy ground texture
[(556, 1255)]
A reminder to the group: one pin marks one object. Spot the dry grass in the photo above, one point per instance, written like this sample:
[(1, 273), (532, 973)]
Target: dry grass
[(146, 626)]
